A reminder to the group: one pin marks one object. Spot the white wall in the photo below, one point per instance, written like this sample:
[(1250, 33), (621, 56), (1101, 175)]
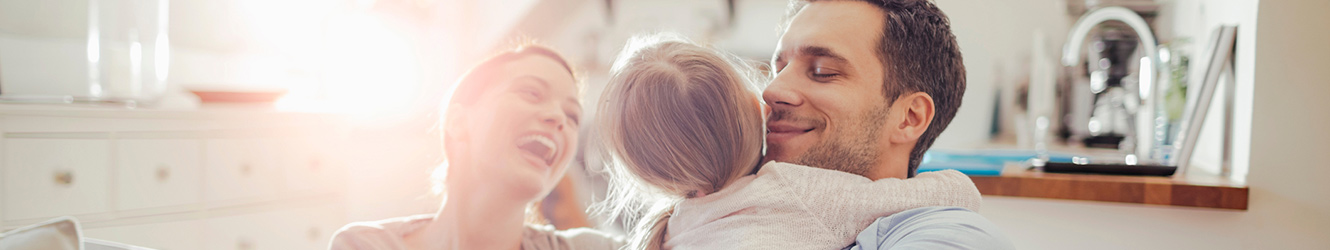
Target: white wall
[(1288, 138), (38, 36), (1288, 204), (995, 39)]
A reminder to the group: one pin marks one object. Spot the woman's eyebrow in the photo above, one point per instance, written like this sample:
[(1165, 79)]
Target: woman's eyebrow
[(573, 100), (542, 82), (546, 85)]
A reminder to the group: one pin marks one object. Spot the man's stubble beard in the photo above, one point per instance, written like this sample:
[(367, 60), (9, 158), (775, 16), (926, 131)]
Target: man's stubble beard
[(855, 149)]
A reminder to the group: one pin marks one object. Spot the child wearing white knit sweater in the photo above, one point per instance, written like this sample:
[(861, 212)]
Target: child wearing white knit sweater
[(683, 127)]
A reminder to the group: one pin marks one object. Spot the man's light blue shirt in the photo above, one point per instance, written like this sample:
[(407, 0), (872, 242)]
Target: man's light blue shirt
[(932, 228)]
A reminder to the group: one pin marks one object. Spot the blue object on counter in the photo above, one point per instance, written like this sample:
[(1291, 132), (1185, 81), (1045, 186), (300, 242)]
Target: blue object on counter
[(967, 168), (987, 162)]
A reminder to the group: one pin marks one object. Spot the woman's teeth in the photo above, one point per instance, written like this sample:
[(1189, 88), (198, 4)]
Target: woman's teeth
[(540, 146)]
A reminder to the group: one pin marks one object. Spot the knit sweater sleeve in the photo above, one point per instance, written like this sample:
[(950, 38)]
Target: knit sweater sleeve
[(846, 203)]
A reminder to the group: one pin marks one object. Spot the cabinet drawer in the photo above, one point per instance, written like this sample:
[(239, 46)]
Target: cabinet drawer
[(158, 172), (309, 228), (51, 177), (303, 228), (309, 165), (240, 232), (239, 169)]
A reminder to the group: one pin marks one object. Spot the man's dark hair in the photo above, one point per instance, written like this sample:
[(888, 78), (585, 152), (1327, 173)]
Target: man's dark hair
[(919, 54)]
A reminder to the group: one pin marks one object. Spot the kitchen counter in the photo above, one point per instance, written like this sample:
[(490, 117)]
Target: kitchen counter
[(207, 111), (1194, 190)]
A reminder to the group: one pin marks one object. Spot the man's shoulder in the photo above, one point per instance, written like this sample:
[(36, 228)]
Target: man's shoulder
[(933, 228)]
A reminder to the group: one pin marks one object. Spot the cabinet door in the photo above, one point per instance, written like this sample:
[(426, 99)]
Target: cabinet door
[(52, 177), (239, 170), (158, 172)]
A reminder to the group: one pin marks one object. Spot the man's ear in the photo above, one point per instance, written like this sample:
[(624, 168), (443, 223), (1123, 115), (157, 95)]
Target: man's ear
[(917, 114)]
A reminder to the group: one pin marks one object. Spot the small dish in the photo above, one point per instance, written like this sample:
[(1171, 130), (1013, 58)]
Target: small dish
[(237, 96), (216, 93)]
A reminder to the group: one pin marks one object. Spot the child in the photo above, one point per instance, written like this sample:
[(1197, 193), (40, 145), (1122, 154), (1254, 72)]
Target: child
[(683, 122)]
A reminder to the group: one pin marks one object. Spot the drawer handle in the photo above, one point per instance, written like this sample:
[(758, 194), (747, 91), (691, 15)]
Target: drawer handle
[(314, 234), (315, 165), (64, 177), (244, 244), (163, 172)]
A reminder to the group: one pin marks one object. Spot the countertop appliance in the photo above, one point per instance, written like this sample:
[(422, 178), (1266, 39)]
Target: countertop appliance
[(1121, 65)]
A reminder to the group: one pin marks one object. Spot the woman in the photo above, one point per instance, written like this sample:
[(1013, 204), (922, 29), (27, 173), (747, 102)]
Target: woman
[(510, 131)]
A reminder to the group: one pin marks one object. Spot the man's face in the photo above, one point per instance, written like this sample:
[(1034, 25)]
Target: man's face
[(826, 100)]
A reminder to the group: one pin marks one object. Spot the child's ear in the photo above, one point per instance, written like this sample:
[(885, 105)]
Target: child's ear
[(916, 115)]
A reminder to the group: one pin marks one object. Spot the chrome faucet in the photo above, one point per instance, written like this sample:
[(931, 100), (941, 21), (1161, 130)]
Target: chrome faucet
[(1134, 110)]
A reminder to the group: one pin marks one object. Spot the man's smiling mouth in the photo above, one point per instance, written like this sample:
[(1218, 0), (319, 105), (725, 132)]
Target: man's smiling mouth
[(781, 131)]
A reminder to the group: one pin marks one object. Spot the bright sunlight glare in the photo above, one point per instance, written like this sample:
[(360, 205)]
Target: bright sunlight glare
[(350, 61)]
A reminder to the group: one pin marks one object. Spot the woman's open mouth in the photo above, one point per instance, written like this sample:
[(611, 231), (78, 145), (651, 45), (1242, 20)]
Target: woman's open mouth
[(539, 148)]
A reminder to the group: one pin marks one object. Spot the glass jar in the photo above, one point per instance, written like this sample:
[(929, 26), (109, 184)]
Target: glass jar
[(128, 50)]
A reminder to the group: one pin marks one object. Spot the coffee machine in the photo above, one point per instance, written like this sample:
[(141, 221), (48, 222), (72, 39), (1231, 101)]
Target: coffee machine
[(1112, 61)]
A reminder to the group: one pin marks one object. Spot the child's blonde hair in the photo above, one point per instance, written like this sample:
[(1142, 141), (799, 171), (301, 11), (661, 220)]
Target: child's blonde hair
[(683, 119)]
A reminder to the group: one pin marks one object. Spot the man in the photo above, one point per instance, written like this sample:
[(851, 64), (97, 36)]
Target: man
[(865, 87)]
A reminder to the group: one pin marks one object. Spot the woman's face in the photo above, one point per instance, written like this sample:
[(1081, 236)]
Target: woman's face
[(522, 131)]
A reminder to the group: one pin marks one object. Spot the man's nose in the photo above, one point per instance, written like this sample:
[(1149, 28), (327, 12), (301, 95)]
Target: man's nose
[(781, 93)]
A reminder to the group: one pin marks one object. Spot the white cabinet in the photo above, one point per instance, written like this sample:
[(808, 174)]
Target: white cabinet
[(176, 179), (52, 177)]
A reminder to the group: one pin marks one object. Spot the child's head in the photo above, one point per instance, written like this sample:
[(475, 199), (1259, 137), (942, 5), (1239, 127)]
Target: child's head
[(678, 120), (681, 118)]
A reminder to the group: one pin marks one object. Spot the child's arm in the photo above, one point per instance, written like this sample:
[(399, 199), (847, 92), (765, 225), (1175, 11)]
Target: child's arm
[(848, 202)]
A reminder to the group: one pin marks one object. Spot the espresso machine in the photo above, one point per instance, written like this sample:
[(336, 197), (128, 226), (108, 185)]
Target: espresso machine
[(1111, 96), (1111, 62)]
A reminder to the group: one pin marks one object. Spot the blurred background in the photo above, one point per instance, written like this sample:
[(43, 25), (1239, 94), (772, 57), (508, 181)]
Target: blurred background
[(351, 88)]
